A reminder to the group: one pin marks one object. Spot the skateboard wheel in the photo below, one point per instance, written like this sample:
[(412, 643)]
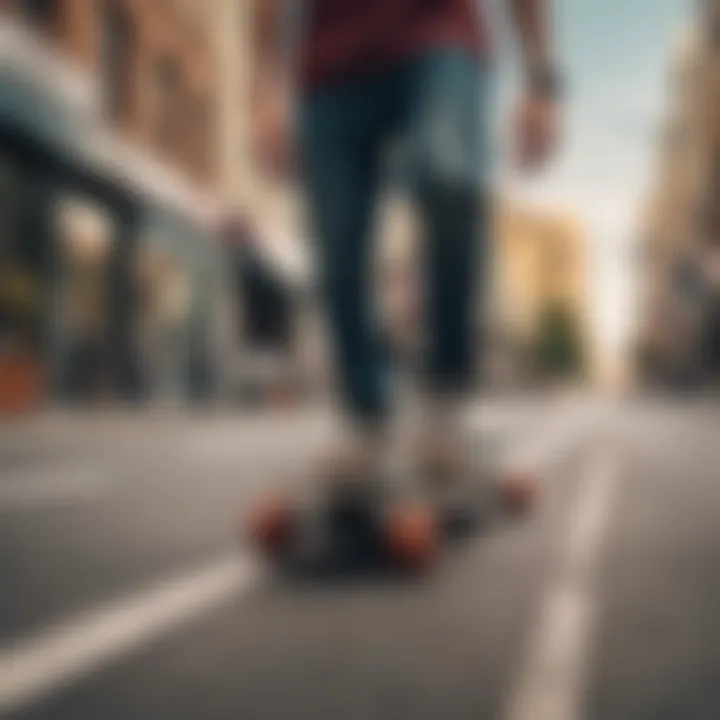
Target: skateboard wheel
[(270, 523), (412, 536), (518, 492)]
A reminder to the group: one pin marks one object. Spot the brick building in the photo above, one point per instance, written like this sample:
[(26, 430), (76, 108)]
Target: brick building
[(111, 165), (679, 299), (155, 67)]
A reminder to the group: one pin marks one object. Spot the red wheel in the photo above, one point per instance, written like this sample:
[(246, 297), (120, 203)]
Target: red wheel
[(518, 492), (412, 536), (270, 523)]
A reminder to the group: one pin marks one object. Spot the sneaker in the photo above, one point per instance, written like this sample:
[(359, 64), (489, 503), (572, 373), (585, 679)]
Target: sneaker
[(441, 456), (442, 451), (353, 460), (444, 462)]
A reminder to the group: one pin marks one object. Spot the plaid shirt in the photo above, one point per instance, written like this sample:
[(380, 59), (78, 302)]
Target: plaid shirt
[(350, 39)]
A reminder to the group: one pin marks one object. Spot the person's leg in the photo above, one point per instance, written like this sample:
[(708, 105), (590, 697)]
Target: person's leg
[(340, 151), (448, 120)]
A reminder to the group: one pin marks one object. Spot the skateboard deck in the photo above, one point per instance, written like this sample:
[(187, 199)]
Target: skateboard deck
[(400, 522), (308, 528)]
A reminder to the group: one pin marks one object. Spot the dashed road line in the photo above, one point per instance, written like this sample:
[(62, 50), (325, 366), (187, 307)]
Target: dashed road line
[(558, 435), (553, 678)]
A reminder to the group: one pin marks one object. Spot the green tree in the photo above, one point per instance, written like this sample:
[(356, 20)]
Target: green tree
[(557, 348)]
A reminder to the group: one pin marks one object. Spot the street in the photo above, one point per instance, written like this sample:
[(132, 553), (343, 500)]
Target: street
[(125, 593)]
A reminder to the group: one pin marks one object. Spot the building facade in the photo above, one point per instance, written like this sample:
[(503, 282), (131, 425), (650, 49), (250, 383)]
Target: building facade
[(539, 305), (679, 329), (538, 276), (112, 165)]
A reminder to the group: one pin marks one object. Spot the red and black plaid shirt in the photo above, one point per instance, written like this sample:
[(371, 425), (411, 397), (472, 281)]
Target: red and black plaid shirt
[(346, 39)]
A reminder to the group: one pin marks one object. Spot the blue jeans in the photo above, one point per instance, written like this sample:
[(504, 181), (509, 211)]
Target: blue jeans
[(432, 111)]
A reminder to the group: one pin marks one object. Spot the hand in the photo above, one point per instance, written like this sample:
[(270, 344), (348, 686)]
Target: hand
[(536, 130), (271, 128)]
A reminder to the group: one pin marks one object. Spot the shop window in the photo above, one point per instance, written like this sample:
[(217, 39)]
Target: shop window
[(85, 231), (554, 262), (166, 99), (20, 260), (116, 43), (708, 213), (715, 30), (41, 12)]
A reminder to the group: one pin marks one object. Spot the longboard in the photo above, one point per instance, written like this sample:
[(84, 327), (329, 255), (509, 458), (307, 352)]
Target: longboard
[(307, 528), (396, 523)]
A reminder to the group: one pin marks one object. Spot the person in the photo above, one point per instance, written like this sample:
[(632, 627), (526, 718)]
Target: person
[(368, 84)]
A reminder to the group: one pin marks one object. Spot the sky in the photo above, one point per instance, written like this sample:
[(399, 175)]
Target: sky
[(615, 55)]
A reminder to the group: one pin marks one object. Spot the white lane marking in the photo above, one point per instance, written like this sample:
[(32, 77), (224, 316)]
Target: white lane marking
[(49, 486), (585, 530), (552, 683), (560, 433), (66, 653)]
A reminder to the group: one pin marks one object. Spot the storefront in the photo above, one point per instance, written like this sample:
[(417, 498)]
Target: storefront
[(68, 237), (181, 280), (21, 289), (83, 237), (79, 212)]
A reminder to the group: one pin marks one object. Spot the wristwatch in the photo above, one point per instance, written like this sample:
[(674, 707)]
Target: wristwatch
[(546, 80)]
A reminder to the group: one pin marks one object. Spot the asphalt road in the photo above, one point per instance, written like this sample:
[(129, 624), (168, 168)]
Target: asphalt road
[(125, 594)]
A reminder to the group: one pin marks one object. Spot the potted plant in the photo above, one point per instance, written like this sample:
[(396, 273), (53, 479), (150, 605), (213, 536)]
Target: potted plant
[(20, 370)]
